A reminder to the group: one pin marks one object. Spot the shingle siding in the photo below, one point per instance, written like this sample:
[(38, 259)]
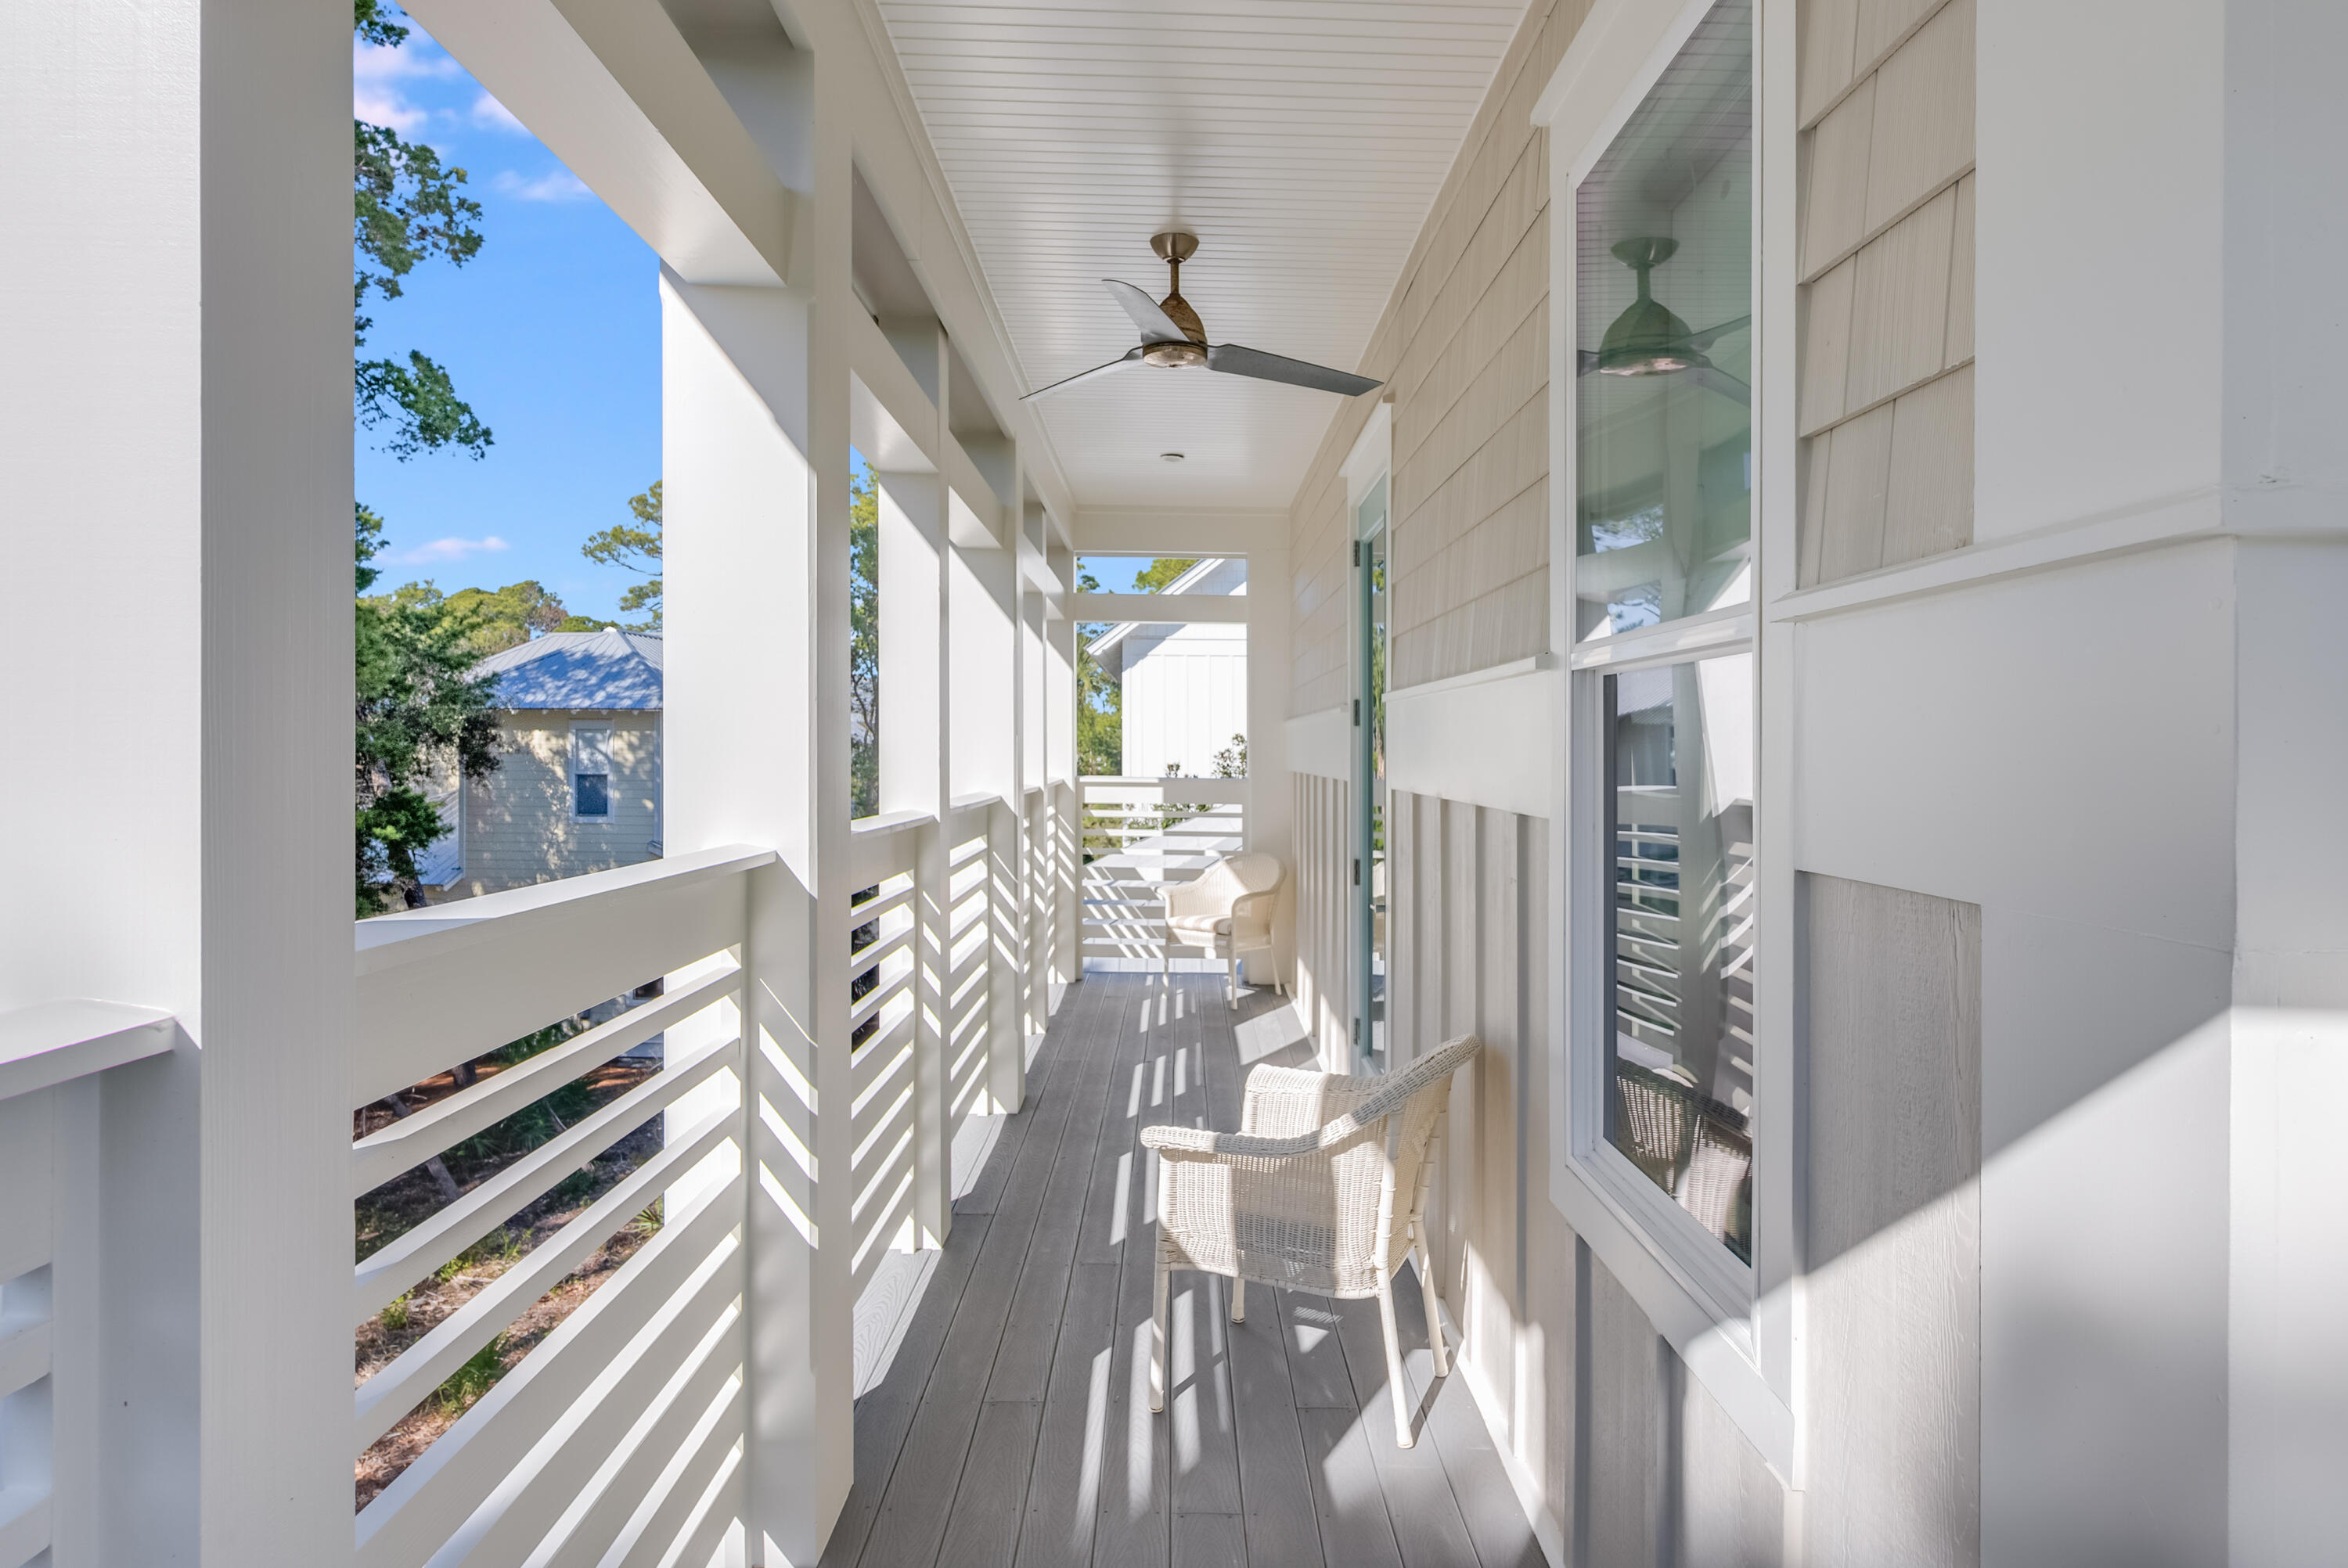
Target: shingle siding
[(1465, 348)]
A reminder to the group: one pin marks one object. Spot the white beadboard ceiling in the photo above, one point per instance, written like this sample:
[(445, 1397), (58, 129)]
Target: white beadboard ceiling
[(1301, 140)]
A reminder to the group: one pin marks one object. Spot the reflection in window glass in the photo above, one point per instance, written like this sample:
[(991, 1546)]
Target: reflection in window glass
[(1680, 751), (1663, 339)]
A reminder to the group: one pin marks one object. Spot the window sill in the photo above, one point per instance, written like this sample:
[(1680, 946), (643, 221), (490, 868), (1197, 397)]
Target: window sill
[(1717, 1340)]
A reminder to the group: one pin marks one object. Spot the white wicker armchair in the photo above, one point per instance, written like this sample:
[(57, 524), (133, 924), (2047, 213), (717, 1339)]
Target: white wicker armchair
[(1226, 909), (1323, 1189)]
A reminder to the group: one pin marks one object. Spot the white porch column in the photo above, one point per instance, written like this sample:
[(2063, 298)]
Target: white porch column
[(175, 392), (1270, 805), (916, 724)]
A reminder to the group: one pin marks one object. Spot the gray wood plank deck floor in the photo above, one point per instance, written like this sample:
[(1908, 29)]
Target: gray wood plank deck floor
[(1014, 1424)]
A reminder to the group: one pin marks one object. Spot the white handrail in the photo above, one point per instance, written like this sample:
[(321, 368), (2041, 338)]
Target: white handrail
[(54, 1042)]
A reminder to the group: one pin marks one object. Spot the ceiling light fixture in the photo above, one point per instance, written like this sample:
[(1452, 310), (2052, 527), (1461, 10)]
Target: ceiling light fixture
[(1647, 339)]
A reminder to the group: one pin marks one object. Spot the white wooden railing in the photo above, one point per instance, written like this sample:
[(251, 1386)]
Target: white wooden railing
[(616, 1439), (51, 1060), (619, 1438), (1138, 837)]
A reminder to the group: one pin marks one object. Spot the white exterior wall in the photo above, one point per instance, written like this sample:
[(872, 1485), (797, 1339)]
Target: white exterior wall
[(1185, 696), (519, 827)]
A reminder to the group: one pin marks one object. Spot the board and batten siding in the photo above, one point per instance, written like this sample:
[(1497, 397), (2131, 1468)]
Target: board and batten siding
[(519, 829)]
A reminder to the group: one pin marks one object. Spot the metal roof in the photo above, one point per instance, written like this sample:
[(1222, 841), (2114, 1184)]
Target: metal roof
[(610, 669)]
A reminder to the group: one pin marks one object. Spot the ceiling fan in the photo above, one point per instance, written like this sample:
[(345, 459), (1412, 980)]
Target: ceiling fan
[(1647, 339), (1172, 337)]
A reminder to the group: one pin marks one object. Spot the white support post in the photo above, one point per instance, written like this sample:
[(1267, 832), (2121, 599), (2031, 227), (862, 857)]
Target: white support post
[(916, 727), (179, 393), (983, 622)]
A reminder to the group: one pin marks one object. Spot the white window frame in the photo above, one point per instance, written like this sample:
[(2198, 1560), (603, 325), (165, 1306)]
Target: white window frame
[(611, 772), (1735, 1326), (1369, 463)]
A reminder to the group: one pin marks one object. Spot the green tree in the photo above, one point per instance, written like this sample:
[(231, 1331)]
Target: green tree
[(418, 711), (1100, 699), (499, 618), (863, 644), (1158, 573), (406, 208), (635, 547)]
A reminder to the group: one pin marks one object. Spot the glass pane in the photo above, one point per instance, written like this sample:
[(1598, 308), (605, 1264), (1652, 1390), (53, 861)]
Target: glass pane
[(1680, 1055), (1663, 342), (594, 795)]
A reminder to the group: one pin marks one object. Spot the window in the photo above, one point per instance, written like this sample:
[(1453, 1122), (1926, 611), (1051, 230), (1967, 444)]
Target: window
[(1662, 741), (591, 771), (1678, 747), (1370, 774), (1663, 347)]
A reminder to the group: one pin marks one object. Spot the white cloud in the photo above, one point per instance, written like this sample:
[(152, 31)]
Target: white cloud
[(419, 58), (448, 550), (492, 114), (376, 73), (561, 185), (378, 106)]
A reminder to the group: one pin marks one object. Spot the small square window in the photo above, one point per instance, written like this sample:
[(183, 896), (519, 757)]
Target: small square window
[(590, 771)]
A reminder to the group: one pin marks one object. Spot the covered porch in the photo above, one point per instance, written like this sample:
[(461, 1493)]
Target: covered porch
[(1851, 726)]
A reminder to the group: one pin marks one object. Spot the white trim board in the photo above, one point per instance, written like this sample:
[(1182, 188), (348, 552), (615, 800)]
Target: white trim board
[(1483, 738), (1322, 743)]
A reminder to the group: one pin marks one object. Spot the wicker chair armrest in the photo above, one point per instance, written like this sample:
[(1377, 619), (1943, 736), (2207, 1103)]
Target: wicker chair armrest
[(1201, 1143)]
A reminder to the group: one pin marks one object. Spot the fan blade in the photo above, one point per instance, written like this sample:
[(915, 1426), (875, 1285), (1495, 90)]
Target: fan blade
[(1156, 325), (1707, 337), (1721, 382), (1132, 356), (1233, 360)]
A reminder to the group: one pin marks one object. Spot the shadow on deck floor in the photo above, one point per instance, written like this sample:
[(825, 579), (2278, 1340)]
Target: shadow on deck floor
[(1012, 1425)]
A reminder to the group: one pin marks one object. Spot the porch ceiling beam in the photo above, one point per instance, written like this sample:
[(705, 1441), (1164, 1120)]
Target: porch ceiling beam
[(613, 89), (1164, 609), (890, 419), (1195, 531)]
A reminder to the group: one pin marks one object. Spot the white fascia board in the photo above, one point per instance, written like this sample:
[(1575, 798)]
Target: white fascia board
[(614, 91), (1192, 531), (1165, 610)]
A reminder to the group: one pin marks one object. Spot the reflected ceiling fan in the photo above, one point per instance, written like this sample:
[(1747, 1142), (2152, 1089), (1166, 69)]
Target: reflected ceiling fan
[(1647, 339), (1172, 337)]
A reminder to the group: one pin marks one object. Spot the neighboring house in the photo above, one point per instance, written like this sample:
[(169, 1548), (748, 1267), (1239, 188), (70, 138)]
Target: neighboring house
[(578, 782), (1185, 686)]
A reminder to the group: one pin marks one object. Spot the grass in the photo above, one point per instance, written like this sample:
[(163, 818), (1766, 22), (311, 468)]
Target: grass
[(477, 1377)]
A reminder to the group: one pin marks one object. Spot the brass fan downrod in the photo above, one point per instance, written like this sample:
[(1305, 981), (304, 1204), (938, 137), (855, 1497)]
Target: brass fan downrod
[(1175, 247)]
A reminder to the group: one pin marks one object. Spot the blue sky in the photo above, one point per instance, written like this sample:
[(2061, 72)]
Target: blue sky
[(552, 332)]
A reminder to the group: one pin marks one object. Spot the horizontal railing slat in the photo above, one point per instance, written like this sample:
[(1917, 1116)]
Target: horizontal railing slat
[(398, 1265), (391, 1393), (710, 1452), (646, 1447), (662, 1300), (415, 1138), (444, 985)]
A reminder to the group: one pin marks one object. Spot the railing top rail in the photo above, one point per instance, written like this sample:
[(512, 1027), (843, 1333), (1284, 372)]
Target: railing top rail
[(976, 797), (52, 1042), (1178, 788), (888, 823), (388, 941)]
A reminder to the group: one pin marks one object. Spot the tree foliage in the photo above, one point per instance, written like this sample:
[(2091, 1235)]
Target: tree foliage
[(1161, 572), (406, 208), (418, 713), (1100, 699), (863, 644), (635, 547), (495, 620)]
